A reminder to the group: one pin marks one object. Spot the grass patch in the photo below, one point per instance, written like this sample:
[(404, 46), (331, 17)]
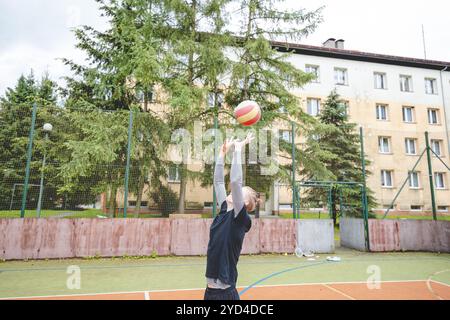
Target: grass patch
[(87, 213), (306, 215), (413, 217)]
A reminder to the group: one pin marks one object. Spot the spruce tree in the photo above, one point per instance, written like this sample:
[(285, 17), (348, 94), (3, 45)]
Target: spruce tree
[(15, 123), (125, 63), (340, 145), (265, 74), (197, 42)]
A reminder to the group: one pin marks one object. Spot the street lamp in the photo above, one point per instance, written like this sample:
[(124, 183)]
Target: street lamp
[(47, 129)]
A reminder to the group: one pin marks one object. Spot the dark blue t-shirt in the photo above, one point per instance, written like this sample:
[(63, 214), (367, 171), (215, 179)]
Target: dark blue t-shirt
[(226, 236)]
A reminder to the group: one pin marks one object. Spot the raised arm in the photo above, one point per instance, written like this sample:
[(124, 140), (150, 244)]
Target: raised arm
[(236, 180), (236, 175), (219, 181)]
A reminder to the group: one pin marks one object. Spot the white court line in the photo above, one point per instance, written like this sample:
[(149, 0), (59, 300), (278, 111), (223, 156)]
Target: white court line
[(339, 291), (146, 295), (240, 287), (429, 280), (439, 282)]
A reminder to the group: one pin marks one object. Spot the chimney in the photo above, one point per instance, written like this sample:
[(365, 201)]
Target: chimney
[(330, 43), (340, 44)]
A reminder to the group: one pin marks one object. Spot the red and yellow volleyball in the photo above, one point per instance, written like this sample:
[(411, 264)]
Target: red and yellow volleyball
[(247, 113)]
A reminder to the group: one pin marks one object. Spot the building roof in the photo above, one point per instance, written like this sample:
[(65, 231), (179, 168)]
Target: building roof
[(360, 56)]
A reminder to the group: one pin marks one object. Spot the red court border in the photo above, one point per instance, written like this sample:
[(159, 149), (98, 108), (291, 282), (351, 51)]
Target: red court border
[(388, 290)]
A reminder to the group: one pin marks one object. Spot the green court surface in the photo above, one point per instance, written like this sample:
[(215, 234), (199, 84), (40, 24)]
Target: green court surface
[(49, 277)]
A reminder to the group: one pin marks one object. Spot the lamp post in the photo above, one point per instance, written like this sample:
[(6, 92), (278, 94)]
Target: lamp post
[(47, 128)]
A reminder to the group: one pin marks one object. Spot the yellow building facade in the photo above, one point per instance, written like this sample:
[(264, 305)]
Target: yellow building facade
[(395, 100)]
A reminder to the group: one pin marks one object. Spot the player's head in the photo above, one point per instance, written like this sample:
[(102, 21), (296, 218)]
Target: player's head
[(250, 198)]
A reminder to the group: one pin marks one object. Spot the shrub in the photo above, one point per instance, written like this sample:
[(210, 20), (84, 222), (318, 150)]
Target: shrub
[(166, 200)]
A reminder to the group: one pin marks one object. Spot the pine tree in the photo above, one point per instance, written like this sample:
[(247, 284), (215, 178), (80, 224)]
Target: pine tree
[(339, 138)]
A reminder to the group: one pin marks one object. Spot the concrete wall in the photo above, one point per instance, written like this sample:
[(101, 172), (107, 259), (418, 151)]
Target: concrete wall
[(397, 235), (409, 235), (68, 238), (277, 235), (352, 233), (316, 235), (65, 238)]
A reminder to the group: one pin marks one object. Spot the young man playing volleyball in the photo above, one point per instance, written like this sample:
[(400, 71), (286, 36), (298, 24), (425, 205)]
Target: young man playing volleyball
[(229, 227)]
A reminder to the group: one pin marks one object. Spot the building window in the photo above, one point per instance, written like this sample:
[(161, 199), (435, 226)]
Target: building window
[(414, 180), (433, 116), (416, 208), (436, 146), (174, 173), (314, 70), (207, 204), (384, 144), (382, 112), (133, 203), (410, 146), (286, 135), (142, 96), (442, 208), (212, 96), (430, 86), (344, 106), (439, 178), (406, 83), (313, 106), (408, 114), (386, 178), (380, 80), (341, 76)]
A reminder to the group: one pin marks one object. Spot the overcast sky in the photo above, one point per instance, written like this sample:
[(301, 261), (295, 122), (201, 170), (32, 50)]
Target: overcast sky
[(35, 33)]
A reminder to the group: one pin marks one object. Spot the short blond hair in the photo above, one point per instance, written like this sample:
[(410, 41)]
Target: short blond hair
[(253, 198)]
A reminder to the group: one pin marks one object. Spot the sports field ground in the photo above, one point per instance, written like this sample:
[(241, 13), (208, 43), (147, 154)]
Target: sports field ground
[(357, 276)]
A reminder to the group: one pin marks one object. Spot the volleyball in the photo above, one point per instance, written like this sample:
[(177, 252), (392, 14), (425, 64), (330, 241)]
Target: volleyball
[(247, 113)]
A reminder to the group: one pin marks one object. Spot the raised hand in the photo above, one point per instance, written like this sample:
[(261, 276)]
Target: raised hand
[(240, 144), (227, 146)]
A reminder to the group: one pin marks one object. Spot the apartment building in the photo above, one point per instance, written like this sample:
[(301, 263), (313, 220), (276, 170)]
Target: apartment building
[(395, 100)]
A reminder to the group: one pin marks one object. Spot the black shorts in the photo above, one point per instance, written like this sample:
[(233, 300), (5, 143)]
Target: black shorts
[(221, 294)]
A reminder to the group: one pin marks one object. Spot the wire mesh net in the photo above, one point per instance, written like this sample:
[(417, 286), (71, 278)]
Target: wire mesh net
[(100, 163)]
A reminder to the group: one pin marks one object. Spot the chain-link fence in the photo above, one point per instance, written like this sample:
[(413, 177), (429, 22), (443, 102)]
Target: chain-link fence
[(97, 163)]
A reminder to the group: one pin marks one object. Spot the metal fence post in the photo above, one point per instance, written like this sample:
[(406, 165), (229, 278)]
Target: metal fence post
[(29, 154), (430, 176), (127, 169), (294, 187), (364, 190), (41, 184)]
